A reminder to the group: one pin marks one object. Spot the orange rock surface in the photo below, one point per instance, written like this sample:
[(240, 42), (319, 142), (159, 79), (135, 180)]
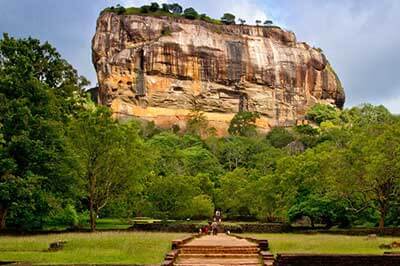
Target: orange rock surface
[(159, 69)]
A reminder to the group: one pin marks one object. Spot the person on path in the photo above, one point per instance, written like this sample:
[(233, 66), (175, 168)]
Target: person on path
[(218, 216), (214, 227)]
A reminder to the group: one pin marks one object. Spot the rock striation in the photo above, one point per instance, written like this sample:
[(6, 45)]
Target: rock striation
[(161, 68)]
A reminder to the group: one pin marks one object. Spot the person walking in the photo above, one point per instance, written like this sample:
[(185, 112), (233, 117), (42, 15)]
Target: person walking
[(214, 227), (218, 216)]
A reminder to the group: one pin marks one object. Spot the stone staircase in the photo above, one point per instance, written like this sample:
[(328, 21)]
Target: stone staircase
[(218, 250)]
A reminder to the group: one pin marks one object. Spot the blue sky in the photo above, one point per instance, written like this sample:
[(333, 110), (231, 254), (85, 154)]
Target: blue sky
[(359, 37)]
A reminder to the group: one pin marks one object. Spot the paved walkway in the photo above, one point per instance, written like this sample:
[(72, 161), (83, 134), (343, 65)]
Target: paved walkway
[(218, 250)]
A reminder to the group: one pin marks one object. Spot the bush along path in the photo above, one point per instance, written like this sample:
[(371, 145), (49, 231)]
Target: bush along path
[(221, 249)]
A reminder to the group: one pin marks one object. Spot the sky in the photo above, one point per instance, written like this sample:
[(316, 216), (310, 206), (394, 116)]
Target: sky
[(360, 37)]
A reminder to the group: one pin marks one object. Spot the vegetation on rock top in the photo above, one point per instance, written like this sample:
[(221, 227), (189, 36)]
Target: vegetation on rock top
[(177, 11)]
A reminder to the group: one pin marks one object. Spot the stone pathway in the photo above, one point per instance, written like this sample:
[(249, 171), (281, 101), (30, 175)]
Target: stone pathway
[(218, 250)]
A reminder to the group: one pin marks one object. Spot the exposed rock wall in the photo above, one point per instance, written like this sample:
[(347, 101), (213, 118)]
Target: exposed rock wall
[(160, 69)]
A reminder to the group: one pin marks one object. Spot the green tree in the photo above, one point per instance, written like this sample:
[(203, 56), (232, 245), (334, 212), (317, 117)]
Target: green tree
[(320, 208), (228, 19), (120, 9), (265, 205), (263, 158), (197, 123), (233, 152), (170, 197), (323, 112), (279, 137), (145, 9), (201, 207), (165, 7), (154, 7), (268, 23), (112, 157), (165, 146), (235, 183), (190, 13), (374, 158), (243, 124), (39, 93), (368, 114), (197, 160), (242, 21)]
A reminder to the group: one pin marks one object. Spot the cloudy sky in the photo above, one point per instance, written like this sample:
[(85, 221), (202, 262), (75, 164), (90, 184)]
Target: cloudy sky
[(360, 37)]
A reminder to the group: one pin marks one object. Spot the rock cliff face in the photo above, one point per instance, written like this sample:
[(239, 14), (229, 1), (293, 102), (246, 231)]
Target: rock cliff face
[(159, 69)]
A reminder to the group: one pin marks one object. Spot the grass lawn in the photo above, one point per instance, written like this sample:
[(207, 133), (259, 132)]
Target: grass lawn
[(101, 247), (324, 243)]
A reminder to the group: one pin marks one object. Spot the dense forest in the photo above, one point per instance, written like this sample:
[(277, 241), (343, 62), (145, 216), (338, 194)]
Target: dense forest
[(65, 160)]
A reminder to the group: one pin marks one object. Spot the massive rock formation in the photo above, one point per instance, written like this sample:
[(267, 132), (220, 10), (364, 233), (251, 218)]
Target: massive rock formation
[(159, 69)]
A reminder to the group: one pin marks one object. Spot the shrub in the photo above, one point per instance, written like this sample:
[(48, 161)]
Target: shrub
[(190, 13), (120, 10), (306, 130), (202, 207), (322, 112), (228, 19), (166, 31), (197, 123), (83, 219), (279, 137), (67, 216), (242, 21), (268, 22), (145, 9), (165, 7), (243, 124), (154, 7)]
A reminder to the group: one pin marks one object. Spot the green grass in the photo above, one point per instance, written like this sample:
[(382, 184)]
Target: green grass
[(110, 223), (105, 247), (102, 224), (324, 243)]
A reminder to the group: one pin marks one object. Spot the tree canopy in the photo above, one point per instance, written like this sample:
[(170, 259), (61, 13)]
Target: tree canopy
[(228, 19)]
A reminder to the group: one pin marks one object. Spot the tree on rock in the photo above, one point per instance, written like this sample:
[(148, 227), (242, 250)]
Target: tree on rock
[(242, 21), (268, 23), (243, 124), (145, 9), (154, 7), (197, 123), (190, 13), (228, 19), (165, 7)]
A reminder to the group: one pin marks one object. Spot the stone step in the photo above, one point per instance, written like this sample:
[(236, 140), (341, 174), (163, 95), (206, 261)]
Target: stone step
[(227, 255), (219, 251), (218, 264), (217, 261)]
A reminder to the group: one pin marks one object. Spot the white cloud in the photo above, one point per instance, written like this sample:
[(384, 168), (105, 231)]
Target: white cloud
[(360, 39)]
